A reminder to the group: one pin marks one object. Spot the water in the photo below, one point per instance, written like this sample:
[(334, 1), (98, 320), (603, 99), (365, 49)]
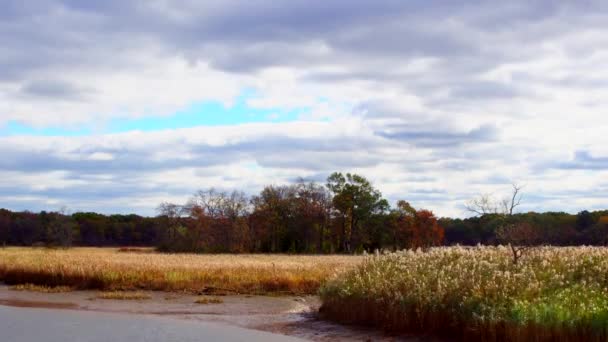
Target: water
[(53, 325), (284, 315)]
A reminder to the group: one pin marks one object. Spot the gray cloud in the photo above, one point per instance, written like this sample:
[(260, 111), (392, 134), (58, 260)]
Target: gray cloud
[(583, 160), (433, 137), (273, 151), (237, 36), (53, 89)]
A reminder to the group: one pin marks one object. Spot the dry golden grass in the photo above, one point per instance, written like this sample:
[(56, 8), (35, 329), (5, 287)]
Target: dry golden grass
[(208, 300), (107, 269), (41, 288), (123, 295)]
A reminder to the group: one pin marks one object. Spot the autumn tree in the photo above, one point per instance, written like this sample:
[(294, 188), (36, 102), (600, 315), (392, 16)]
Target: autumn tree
[(219, 220), (415, 228), (426, 231), (402, 220)]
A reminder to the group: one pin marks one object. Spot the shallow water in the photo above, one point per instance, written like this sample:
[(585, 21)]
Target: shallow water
[(286, 315), (53, 325)]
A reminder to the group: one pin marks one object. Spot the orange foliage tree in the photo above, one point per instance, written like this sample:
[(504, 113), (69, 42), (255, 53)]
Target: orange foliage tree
[(413, 228), (425, 231)]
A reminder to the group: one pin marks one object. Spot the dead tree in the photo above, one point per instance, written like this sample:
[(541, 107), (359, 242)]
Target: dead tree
[(485, 204), (519, 236)]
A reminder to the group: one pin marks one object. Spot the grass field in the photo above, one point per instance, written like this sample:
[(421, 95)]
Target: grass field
[(552, 294), (478, 293), (108, 269)]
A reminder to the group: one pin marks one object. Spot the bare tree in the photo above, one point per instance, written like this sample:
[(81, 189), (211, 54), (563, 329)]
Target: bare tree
[(170, 210), (510, 203), (220, 204), (519, 236), (482, 205), (485, 204)]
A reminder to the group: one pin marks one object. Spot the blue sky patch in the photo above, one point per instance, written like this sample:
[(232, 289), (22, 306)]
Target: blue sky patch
[(206, 113)]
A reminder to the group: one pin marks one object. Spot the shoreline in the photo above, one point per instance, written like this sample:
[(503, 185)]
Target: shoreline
[(294, 316)]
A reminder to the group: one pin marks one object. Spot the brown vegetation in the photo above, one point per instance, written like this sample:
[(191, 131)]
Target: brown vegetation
[(208, 300), (123, 295), (41, 288), (107, 269)]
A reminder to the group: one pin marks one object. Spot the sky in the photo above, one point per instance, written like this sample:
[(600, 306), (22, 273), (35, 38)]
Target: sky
[(114, 106)]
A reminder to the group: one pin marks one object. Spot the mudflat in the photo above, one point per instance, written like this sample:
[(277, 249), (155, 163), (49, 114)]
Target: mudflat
[(294, 316)]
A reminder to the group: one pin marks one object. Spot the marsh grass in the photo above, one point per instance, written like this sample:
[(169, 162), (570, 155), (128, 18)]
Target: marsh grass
[(123, 295), (208, 300), (108, 270), (554, 294), (41, 288)]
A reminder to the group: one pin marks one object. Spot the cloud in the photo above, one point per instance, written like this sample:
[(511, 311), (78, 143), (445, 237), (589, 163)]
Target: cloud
[(429, 137), (583, 160), (52, 89), (434, 102)]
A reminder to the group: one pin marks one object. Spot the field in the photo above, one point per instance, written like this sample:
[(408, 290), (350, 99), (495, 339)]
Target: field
[(110, 270), (553, 294), (474, 293)]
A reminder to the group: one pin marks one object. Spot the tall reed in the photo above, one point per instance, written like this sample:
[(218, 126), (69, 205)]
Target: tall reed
[(553, 294)]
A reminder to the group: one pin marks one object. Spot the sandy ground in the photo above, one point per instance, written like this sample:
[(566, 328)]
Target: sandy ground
[(292, 316)]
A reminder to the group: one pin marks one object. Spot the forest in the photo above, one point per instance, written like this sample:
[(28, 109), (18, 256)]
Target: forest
[(345, 215)]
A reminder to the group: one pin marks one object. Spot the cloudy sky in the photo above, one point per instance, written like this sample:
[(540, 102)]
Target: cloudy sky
[(114, 106)]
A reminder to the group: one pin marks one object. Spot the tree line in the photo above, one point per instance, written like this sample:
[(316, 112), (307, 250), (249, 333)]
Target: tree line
[(345, 215)]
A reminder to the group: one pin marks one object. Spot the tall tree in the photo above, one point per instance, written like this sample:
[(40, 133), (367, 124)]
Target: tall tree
[(355, 201)]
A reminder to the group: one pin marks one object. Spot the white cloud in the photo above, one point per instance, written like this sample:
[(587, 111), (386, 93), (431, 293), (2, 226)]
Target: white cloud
[(433, 103)]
